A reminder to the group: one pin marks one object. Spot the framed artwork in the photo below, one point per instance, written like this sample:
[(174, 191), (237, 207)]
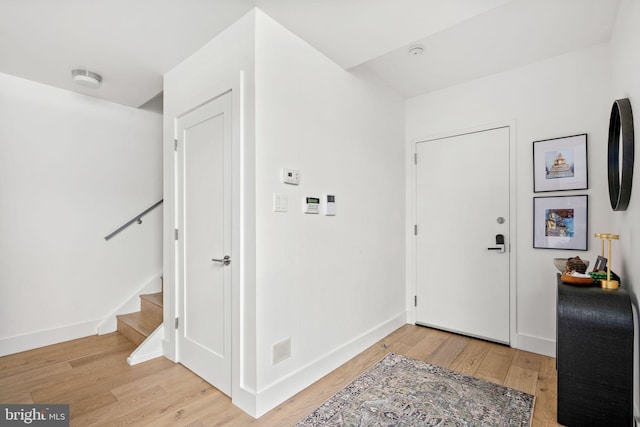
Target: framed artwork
[(560, 222), (601, 263), (560, 164)]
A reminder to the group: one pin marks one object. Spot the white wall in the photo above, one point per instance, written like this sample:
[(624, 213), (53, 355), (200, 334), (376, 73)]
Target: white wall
[(332, 285), (73, 169), (562, 96), (626, 84)]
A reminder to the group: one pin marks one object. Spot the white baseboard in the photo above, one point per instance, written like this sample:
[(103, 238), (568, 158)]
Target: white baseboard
[(107, 325), (167, 350), (535, 344), (43, 338), (272, 395), (245, 399)]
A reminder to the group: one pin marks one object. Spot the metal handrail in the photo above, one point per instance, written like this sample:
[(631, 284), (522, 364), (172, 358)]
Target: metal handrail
[(137, 218)]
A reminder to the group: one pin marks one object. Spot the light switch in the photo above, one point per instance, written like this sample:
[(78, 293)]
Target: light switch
[(280, 202)]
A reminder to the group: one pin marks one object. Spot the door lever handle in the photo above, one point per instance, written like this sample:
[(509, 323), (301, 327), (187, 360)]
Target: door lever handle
[(500, 243), (226, 260)]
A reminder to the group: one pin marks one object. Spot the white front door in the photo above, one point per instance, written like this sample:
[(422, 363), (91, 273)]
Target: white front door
[(462, 204), (204, 226)]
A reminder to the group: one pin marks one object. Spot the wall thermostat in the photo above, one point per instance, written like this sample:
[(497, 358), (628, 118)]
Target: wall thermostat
[(329, 203), (311, 205), (290, 176)]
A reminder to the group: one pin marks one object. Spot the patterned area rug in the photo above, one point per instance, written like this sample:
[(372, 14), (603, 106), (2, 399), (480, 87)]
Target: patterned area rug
[(399, 391)]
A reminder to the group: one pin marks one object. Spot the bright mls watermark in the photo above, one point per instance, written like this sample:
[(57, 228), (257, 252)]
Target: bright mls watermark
[(34, 415)]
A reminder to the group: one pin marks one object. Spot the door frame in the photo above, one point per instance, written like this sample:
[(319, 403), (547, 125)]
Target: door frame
[(412, 253), (242, 268)]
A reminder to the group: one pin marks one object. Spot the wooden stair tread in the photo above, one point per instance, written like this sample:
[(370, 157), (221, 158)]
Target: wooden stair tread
[(139, 325), (153, 298), (139, 322)]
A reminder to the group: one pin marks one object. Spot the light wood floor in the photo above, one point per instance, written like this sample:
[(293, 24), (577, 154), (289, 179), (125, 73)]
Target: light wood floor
[(92, 375)]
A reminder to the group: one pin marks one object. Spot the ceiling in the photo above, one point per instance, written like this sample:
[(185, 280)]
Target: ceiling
[(132, 43)]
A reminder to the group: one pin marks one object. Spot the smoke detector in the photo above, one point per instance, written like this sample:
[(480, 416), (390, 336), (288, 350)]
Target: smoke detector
[(86, 78), (416, 50)]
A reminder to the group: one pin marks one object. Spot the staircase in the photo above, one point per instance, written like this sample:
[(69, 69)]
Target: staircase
[(139, 325)]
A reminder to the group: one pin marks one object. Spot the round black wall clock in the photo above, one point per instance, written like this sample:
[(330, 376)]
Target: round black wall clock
[(620, 154)]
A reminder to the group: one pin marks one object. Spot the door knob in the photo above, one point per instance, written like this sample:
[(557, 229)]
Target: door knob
[(226, 260)]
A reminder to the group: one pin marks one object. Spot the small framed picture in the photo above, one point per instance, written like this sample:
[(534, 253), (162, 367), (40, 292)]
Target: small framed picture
[(601, 264), (560, 222), (560, 164)]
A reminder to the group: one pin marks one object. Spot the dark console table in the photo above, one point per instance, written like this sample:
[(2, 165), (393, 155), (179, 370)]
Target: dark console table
[(594, 356)]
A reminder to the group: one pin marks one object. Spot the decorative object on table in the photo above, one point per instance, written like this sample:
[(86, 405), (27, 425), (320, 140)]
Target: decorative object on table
[(601, 261), (564, 265), (402, 391), (576, 264), (560, 222), (560, 164), (575, 272), (620, 171), (578, 279), (597, 276), (609, 283), (561, 263)]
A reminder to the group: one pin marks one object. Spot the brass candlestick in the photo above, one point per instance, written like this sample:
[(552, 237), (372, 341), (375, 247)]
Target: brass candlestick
[(608, 284)]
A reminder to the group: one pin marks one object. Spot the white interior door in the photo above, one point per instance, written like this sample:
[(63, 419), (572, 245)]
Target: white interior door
[(204, 224), (462, 204)]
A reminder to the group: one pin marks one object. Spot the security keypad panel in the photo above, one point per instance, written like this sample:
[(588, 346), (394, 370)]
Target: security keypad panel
[(311, 205)]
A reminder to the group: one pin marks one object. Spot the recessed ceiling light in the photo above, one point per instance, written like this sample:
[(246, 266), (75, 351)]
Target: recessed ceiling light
[(416, 50), (86, 78)]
